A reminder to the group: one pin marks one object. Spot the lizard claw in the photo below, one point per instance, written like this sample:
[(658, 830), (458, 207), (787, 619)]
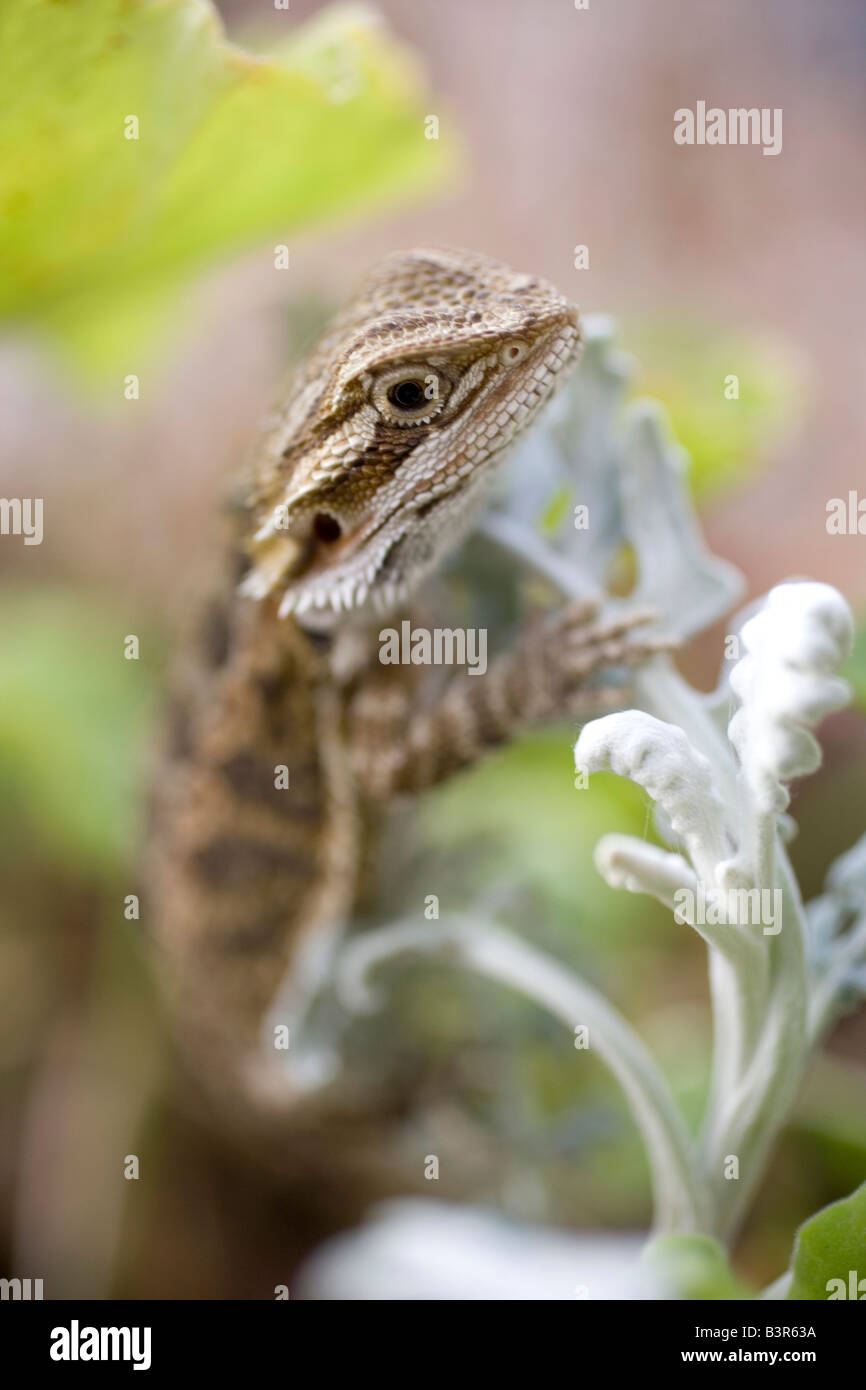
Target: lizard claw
[(561, 660)]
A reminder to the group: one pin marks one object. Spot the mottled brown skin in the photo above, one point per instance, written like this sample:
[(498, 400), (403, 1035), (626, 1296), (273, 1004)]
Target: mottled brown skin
[(354, 501), (236, 868)]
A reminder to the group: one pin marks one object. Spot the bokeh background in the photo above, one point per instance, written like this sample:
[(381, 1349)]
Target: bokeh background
[(555, 130)]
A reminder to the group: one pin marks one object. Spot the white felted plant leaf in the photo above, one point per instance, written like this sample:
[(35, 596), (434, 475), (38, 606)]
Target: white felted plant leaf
[(660, 758), (785, 684)]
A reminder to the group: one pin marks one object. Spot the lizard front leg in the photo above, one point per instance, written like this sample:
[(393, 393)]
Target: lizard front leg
[(398, 746)]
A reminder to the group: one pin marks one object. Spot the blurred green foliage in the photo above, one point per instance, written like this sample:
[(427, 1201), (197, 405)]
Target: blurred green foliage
[(685, 366), (828, 1246), (695, 1267), (73, 713), (828, 1127), (855, 670), (97, 230), (522, 810), (515, 838)]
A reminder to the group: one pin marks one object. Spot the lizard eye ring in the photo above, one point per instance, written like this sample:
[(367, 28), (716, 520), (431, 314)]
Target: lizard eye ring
[(411, 394)]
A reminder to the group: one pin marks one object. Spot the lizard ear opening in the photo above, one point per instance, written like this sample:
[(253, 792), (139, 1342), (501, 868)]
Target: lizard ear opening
[(326, 528)]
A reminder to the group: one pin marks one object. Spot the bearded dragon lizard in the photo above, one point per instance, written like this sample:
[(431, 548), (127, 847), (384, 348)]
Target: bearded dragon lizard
[(367, 477)]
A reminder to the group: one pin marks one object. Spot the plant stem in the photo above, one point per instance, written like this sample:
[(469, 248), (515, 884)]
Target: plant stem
[(680, 1198)]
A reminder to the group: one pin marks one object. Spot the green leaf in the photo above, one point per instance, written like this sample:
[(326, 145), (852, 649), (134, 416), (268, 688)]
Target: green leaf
[(97, 230), (520, 809), (693, 1267), (73, 713), (686, 367), (556, 511), (855, 669), (828, 1247)]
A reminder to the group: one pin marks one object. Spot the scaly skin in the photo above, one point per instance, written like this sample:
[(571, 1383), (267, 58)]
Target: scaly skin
[(367, 478)]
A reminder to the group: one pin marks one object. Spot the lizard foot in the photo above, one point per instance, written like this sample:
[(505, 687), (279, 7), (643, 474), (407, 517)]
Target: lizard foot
[(555, 667)]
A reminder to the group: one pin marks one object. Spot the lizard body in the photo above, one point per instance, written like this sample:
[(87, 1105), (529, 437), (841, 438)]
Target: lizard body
[(366, 478)]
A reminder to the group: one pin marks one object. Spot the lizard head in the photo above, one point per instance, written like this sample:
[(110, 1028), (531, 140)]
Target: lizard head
[(372, 470)]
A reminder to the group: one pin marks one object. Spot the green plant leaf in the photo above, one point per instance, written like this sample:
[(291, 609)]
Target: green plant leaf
[(693, 1267), (521, 808), (97, 230), (855, 669), (727, 439), (828, 1247), (73, 715), (556, 511)]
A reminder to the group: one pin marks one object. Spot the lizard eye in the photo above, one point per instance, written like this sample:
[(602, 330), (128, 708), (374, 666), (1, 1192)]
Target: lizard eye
[(404, 399), (407, 395)]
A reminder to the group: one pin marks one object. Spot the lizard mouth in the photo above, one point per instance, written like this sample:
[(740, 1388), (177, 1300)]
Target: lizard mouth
[(341, 569), (324, 565), (377, 569)]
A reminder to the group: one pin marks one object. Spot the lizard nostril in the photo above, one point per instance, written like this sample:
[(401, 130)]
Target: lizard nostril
[(326, 527), (514, 351)]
